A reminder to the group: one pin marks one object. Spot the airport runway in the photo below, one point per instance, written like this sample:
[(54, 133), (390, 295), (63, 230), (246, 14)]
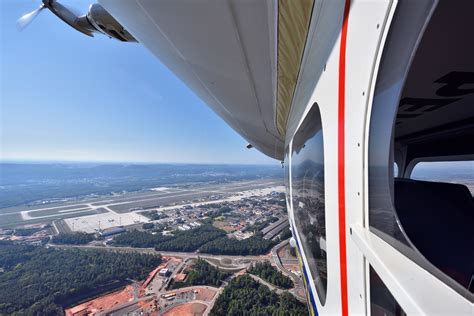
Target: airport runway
[(122, 209)]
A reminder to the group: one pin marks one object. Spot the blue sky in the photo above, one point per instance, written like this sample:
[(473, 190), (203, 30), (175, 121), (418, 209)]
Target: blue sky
[(65, 96)]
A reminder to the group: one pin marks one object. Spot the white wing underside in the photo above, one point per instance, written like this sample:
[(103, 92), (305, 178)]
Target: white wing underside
[(225, 51)]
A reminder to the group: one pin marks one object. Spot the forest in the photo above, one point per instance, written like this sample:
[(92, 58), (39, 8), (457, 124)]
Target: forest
[(139, 239), (267, 272), (244, 294), (206, 239), (185, 241), (252, 246), (41, 281), (77, 238), (190, 240), (202, 273)]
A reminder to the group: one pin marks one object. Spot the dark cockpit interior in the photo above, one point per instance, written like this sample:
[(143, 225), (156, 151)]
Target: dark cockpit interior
[(438, 218), (435, 122)]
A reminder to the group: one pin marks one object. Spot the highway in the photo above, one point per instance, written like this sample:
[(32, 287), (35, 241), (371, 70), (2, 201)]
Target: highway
[(183, 255), (296, 280), (235, 262)]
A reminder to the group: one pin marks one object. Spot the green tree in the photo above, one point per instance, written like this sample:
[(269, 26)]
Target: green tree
[(189, 240), (267, 272), (40, 281), (245, 296), (78, 238), (255, 245), (202, 273)]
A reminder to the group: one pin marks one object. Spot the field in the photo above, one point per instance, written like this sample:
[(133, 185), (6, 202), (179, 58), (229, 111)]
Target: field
[(224, 225), (187, 309)]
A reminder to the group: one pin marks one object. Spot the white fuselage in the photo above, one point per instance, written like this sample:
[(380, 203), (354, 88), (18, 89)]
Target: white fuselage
[(356, 54)]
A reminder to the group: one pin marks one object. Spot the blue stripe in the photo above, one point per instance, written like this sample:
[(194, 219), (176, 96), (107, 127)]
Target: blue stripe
[(308, 286)]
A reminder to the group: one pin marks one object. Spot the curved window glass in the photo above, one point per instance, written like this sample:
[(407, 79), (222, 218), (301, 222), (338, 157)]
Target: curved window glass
[(287, 178), (307, 174), (425, 114)]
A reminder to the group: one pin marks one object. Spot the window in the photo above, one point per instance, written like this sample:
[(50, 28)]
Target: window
[(461, 172), (422, 108), (308, 196), (382, 302), (287, 178)]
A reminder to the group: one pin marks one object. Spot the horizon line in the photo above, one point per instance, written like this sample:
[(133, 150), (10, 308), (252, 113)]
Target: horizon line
[(65, 161)]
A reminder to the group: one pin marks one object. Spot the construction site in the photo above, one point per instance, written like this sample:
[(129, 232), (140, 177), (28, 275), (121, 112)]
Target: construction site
[(156, 296)]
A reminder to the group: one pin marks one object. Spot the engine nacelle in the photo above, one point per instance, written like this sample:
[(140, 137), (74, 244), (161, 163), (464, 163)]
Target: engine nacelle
[(97, 20), (103, 22)]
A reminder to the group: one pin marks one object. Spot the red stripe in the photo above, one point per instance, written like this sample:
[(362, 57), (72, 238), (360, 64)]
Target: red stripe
[(340, 158)]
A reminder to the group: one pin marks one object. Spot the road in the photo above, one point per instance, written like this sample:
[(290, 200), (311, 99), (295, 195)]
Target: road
[(190, 255), (214, 299), (164, 253), (209, 304), (91, 215), (273, 257), (278, 290), (296, 280), (277, 261)]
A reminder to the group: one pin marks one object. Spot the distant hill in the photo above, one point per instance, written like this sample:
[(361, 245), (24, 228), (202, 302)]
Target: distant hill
[(24, 183)]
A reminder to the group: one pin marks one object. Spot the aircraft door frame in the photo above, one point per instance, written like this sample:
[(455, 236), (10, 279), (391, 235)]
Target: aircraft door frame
[(415, 289)]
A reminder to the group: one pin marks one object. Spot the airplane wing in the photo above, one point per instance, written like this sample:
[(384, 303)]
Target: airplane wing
[(242, 58)]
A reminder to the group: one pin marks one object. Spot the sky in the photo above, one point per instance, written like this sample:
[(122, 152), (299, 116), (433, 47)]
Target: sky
[(68, 97)]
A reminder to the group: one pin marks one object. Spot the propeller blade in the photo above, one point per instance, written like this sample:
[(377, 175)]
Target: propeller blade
[(28, 18)]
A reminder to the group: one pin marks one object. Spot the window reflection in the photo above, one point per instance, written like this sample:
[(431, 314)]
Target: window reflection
[(308, 196)]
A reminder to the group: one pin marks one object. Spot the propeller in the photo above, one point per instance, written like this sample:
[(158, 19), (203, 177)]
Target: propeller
[(67, 14), (84, 23), (28, 18)]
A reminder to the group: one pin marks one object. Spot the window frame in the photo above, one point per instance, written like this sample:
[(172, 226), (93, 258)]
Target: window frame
[(374, 276), (315, 280), (391, 74)]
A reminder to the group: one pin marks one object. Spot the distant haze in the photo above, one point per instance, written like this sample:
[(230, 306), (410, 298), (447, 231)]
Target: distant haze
[(23, 183)]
